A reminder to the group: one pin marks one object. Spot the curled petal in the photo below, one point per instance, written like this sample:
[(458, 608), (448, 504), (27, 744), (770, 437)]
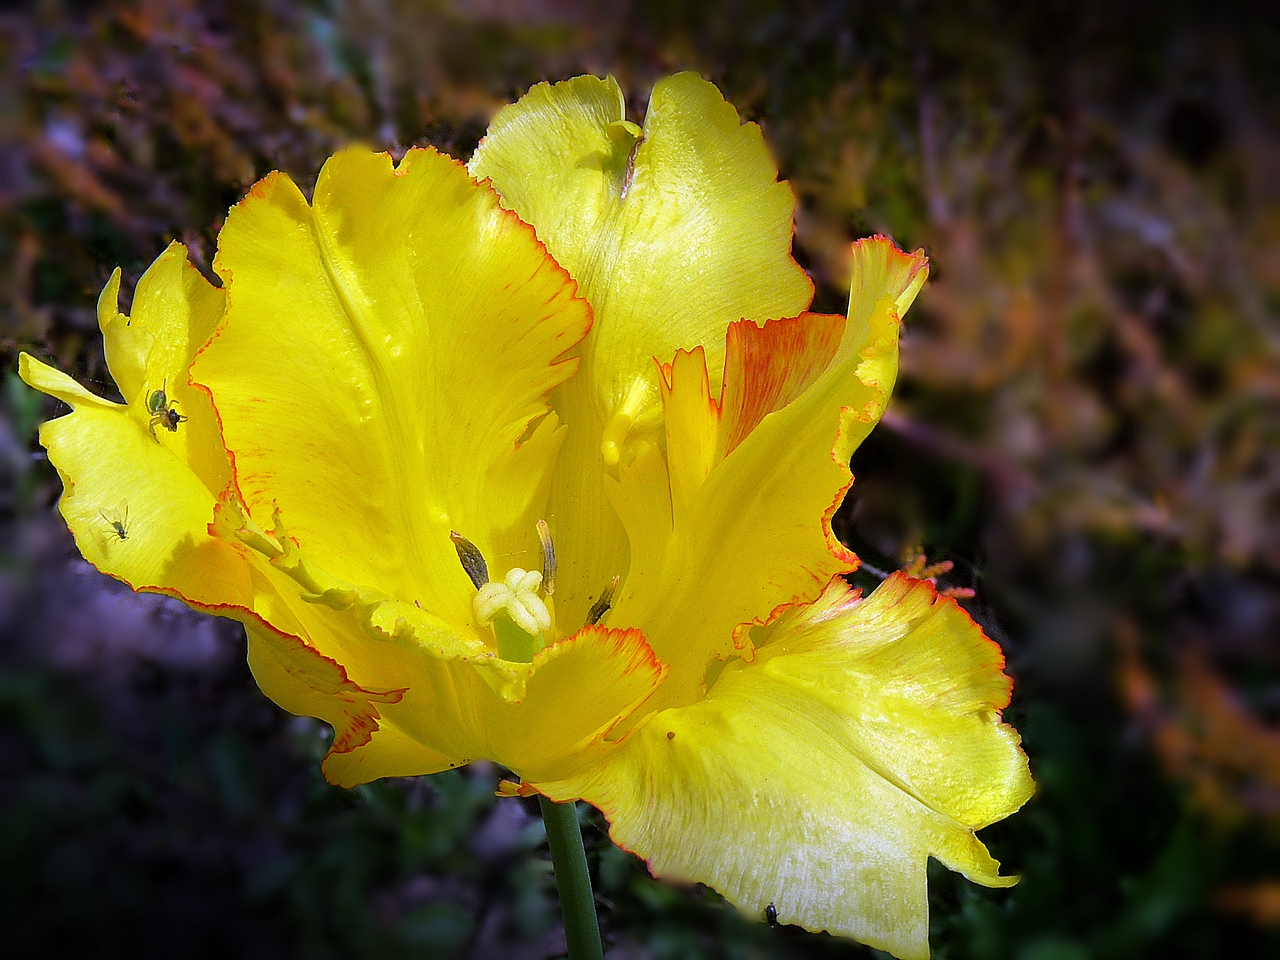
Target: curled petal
[(864, 739), (547, 720), (756, 474), (458, 701), (922, 674), (157, 488), (306, 683), (673, 232), (175, 310), (383, 370)]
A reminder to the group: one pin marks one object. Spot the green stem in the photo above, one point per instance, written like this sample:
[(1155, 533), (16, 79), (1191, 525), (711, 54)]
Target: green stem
[(577, 906)]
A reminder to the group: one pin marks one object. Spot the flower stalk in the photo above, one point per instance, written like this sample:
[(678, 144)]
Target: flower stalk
[(569, 858)]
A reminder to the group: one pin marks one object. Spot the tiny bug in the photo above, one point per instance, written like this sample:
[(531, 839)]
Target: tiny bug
[(771, 915), (119, 526), (162, 413)]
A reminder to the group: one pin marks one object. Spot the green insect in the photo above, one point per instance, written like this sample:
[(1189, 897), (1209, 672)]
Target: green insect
[(162, 413), (119, 526)]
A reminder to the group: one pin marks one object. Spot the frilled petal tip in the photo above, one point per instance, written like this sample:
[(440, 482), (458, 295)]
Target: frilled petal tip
[(698, 185), (756, 469), (413, 693), (673, 230), (383, 370), (864, 739), (138, 490), (571, 697)]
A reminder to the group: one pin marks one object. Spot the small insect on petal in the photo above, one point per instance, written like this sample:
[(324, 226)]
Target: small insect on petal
[(118, 526), (162, 413), (771, 915), (158, 400)]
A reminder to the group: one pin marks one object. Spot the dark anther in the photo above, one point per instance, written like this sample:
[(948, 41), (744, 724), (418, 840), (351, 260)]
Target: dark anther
[(472, 559), (602, 605), (548, 559)]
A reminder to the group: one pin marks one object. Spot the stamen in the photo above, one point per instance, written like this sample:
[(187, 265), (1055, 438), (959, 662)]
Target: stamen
[(548, 559), (603, 602), (472, 559)]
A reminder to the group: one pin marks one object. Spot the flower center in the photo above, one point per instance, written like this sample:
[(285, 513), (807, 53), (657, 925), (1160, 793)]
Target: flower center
[(520, 617), (519, 607)]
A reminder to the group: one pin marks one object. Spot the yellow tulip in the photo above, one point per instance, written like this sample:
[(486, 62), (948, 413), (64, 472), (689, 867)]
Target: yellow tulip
[(397, 376)]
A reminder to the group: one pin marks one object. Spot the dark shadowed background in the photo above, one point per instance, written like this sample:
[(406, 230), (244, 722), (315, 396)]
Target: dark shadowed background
[(1086, 428)]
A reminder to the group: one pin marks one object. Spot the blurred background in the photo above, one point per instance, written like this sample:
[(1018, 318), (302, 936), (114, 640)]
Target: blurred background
[(1085, 430)]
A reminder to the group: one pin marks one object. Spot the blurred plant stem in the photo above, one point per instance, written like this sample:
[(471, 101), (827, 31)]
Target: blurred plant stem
[(569, 858)]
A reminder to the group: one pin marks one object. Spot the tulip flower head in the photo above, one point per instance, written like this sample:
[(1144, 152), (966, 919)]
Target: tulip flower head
[(535, 461)]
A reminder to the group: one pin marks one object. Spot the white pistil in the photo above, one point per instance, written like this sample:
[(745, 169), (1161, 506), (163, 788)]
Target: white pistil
[(517, 596)]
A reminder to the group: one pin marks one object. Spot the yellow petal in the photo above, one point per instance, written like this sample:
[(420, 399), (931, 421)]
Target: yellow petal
[(756, 476), (345, 622), (822, 427), (577, 692), (305, 683), (671, 237), (734, 540), (672, 233), (766, 369), (114, 473), (175, 310), (459, 701), (692, 421), (922, 673), (386, 351), (550, 723), (863, 740), (771, 366), (159, 489), (857, 382)]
